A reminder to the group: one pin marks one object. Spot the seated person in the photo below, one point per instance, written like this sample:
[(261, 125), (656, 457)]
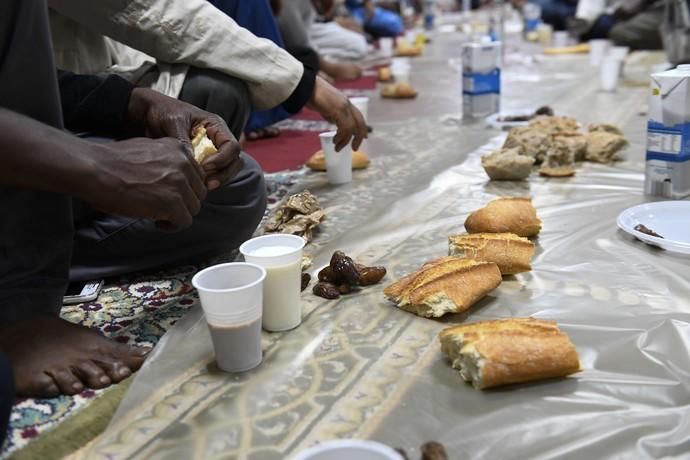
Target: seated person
[(638, 25), (376, 21), (296, 20), (335, 41), (202, 66), (74, 209)]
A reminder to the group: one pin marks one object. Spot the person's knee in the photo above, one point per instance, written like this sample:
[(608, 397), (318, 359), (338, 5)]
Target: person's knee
[(221, 94), (242, 202), (620, 35)]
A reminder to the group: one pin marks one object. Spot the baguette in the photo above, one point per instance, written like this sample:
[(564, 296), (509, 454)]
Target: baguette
[(446, 285), (203, 147), (513, 254), (500, 352), (505, 215)]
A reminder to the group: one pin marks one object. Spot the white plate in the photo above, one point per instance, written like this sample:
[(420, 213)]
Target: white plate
[(493, 120), (670, 219)]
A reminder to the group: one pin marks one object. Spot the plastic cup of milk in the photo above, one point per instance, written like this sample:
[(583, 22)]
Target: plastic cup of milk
[(349, 449), (618, 52), (610, 70), (386, 46), (281, 256), (338, 164), (597, 50), (231, 297)]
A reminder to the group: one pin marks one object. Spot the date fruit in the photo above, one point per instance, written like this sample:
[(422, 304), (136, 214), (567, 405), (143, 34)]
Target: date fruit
[(326, 290), (433, 450), (344, 267), (327, 274), (371, 275), (306, 278)]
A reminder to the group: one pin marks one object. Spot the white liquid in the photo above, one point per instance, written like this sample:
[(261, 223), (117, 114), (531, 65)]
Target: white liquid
[(272, 251), (282, 296)]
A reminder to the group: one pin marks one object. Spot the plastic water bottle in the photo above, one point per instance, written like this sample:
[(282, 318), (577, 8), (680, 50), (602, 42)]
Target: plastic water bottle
[(429, 14)]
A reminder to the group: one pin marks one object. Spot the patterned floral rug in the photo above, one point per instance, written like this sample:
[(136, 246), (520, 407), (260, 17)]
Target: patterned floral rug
[(136, 310)]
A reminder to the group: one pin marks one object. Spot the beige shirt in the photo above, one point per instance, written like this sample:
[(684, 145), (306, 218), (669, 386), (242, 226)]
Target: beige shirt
[(164, 37)]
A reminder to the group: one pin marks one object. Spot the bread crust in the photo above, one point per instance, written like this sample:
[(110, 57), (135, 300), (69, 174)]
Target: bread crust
[(447, 285), (509, 351), (512, 253), (505, 215), (317, 162)]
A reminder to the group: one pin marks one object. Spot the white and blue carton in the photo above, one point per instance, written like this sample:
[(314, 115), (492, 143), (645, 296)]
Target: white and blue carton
[(667, 171), (481, 79)]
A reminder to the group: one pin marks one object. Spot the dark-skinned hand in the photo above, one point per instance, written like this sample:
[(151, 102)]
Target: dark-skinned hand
[(155, 115), (336, 108)]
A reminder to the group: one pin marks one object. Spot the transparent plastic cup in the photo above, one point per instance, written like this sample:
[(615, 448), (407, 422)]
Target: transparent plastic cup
[(231, 296), (338, 164), (618, 52), (386, 46), (610, 70), (349, 449), (280, 255), (597, 50)]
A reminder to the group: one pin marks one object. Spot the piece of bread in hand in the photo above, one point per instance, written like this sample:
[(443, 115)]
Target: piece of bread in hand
[(500, 352), (317, 162), (505, 215), (446, 285), (398, 91), (203, 147), (513, 254)]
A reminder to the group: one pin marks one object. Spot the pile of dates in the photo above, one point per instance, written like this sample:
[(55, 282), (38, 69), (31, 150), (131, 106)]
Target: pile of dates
[(343, 275)]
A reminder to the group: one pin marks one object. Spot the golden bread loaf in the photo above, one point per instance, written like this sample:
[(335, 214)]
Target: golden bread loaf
[(446, 285), (398, 91), (513, 254), (317, 162), (505, 215), (500, 352)]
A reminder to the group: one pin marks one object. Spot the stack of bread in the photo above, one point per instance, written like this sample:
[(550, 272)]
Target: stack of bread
[(554, 144), (496, 246), (490, 353)]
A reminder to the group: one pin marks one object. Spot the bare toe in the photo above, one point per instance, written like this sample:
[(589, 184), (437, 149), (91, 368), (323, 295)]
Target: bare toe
[(68, 383), (132, 357), (41, 385), (93, 374), (115, 369)]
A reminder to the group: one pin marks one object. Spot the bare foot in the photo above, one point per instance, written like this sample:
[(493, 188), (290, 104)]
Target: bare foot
[(263, 133), (51, 356), (347, 71)]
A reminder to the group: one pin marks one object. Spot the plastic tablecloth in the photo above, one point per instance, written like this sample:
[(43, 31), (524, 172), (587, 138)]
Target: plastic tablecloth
[(359, 367)]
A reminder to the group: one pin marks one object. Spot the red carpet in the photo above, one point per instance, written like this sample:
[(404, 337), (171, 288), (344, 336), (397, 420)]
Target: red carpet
[(292, 148), (288, 151)]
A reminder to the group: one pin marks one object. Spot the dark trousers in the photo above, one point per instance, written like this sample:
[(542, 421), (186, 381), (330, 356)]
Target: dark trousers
[(6, 395)]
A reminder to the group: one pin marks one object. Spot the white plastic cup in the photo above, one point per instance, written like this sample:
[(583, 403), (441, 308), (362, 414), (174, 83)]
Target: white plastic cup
[(386, 46), (560, 39), (281, 256), (597, 50), (362, 104), (231, 296), (338, 164), (401, 74), (411, 37), (349, 449), (618, 52), (609, 72)]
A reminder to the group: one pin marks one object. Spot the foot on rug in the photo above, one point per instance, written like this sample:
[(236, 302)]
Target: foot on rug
[(51, 356), (263, 133)]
